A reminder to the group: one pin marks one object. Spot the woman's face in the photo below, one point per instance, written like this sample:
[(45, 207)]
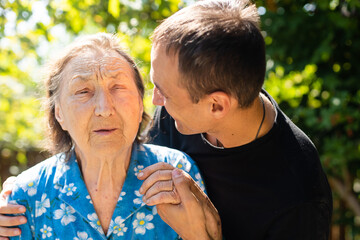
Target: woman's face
[(99, 104)]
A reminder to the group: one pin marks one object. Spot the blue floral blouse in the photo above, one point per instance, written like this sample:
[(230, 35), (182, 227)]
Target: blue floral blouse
[(59, 205)]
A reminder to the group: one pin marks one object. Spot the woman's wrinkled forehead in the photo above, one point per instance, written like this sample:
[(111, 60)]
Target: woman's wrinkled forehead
[(97, 64)]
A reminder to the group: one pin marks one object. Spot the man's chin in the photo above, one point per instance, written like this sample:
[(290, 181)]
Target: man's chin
[(183, 130)]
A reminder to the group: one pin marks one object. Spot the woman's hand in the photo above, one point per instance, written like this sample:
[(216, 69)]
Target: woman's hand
[(5, 208), (158, 186), (180, 202)]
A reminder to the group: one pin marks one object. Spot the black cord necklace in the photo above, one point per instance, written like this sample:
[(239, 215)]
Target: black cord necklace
[(219, 144), (263, 118)]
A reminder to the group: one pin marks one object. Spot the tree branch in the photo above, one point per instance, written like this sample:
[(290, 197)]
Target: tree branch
[(346, 194)]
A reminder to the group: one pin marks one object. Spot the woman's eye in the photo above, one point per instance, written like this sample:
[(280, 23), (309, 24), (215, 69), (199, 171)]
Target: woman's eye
[(83, 91), (117, 87)]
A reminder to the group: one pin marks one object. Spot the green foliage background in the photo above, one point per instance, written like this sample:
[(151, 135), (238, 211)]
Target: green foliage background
[(313, 53)]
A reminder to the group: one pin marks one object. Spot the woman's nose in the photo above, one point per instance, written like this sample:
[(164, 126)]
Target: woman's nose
[(104, 104)]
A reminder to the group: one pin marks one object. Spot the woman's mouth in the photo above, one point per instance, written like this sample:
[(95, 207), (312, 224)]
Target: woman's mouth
[(105, 131)]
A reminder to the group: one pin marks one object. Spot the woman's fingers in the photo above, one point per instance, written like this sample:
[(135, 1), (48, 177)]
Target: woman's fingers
[(146, 172), (159, 175), (163, 197), (160, 186)]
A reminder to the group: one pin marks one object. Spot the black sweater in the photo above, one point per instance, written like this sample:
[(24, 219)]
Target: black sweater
[(271, 188)]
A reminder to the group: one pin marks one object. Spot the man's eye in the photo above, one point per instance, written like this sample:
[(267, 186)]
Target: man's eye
[(159, 92), (162, 95)]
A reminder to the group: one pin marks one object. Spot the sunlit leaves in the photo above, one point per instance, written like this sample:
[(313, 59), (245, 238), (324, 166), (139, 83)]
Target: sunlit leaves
[(114, 8), (295, 86), (312, 74), (19, 115)]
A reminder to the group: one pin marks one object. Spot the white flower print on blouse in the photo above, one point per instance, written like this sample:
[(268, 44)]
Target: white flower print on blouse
[(138, 200), (199, 181), (69, 189), (82, 236), (88, 197), (154, 210), (138, 169), (41, 205), (64, 204), (63, 168), (142, 222), (30, 188), (180, 165), (95, 222), (46, 231), (118, 226), (121, 196), (183, 164), (65, 213)]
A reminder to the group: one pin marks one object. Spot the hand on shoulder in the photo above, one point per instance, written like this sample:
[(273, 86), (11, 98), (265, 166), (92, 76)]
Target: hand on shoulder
[(180, 202), (6, 208)]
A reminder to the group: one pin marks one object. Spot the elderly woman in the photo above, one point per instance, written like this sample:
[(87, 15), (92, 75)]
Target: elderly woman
[(89, 189)]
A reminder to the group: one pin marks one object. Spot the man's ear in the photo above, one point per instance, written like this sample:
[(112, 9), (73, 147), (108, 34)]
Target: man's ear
[(220, 104), (59, 116)]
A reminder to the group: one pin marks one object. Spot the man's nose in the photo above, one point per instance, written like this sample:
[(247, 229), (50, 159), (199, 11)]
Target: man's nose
[(104, 104), (158, 98)]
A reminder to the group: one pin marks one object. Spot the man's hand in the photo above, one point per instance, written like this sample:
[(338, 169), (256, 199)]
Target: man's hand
[(6, 221), (180, 202)]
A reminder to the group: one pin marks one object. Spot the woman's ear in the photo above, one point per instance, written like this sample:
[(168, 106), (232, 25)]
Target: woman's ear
[(59, 116), (220, 104)]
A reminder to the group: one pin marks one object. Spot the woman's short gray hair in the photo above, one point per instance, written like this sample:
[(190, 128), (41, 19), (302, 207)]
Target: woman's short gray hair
[(59, 140)]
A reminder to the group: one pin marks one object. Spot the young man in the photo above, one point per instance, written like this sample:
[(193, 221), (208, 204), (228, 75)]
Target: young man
[(261, 172)]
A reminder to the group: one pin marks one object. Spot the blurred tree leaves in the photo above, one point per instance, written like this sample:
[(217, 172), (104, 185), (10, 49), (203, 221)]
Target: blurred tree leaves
[(313, 52)]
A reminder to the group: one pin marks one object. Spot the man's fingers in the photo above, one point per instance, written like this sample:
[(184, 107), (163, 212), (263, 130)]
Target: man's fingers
[(202, 197), (181, 181), (193, 199), (187, 190), (9, 232), (146, 172), (159, 175), (11, 209), (184, 182), (163, 197), (160, 186), (9, 221)]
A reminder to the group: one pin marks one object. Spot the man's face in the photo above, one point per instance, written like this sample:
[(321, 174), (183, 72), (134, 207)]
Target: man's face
[(190, 118), (99, 103)]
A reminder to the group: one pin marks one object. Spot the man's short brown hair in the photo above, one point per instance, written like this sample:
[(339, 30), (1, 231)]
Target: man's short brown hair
[(219, 46)]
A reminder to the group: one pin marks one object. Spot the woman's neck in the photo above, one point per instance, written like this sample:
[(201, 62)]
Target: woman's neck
[(104, 177)]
